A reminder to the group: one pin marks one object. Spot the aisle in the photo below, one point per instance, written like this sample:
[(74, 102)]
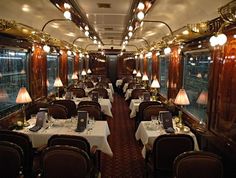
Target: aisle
[(127, 161)]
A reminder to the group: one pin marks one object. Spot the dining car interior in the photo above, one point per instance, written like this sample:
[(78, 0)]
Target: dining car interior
[(118, 89)]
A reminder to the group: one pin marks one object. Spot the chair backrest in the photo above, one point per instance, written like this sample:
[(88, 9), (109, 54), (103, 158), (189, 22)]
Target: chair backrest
[(198, 164), (65, 161), (11, 159), (90, 103), (24, 142), (34, 108), (143, 105), (89, 84), (101, 92), (137, 92), (94, 79), (102, 85), (70, 106), (92, 111), (152, 110), (71, 140), (58, 111), (167, 147), (131, 85), (78, 92)]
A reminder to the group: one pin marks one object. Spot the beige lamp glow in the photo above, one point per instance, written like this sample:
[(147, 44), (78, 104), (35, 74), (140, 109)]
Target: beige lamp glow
[(155, 85), (89, 71), (83, 73), (3, 96), (23, 97), (74, 76), (134, 72), (145, 80), (58, 84), (182, 100), (202, 100)]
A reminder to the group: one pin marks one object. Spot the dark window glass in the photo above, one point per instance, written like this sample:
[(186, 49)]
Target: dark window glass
[(13, 75), (52, 71), (164, 65), (70, 68), (196, 68)]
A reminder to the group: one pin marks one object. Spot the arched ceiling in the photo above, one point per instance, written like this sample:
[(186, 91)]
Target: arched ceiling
[(109, 19)]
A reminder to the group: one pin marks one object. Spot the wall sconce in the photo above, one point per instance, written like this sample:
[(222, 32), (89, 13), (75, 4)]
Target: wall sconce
[(167, 51)]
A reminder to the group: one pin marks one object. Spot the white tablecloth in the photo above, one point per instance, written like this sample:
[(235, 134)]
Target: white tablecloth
[(87, 90), (96, 137), (149, 135), (119, 82), (125, 87), (111, 88), (128, 93), (134, 106), (105, 104)]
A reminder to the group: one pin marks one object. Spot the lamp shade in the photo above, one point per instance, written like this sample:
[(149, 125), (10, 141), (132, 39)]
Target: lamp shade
[(74, 76), (145, 77), (3, 95), (134, 72), (23, 96), (58, 82), (182, 98), (155, 84), (138, 74), (83, 73), (89, 71), (202, 98)]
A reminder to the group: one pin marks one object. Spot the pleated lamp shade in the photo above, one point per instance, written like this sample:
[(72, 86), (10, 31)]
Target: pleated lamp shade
[(23, 96), (58, 82), (182, 98)]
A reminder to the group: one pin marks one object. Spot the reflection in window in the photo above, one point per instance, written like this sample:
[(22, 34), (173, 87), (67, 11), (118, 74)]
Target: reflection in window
[(52, 71), (70, 69), (196, 67), (164, 65), (13, 75)]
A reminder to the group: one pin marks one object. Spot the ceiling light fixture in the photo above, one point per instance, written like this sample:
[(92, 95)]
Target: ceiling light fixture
[(167, 50), (130, 28), (67, 15), (86, 33), (141, 6), (46, 48), (140, 15)]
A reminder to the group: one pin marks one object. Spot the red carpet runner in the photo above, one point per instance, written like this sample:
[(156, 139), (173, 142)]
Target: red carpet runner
[(127, 161)]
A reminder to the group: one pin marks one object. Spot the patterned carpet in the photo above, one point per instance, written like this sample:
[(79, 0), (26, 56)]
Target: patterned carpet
[(127, 161)]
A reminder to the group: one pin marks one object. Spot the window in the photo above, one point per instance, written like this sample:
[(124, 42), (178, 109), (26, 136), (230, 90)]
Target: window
[(164, 65), (13, 75), (52, 71), (196, 67), (70, 69)]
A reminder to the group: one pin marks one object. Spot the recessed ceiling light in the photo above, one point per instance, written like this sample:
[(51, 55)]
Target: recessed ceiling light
[(25, 8)]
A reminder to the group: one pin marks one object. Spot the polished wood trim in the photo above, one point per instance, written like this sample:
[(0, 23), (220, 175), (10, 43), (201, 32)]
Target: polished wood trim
[(63, 67), (155, 66), (38, 73)]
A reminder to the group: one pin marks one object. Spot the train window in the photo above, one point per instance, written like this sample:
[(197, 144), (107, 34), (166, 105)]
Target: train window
[(164, 64), (70, 68), (52, 71), (195, 77), (13, 75)]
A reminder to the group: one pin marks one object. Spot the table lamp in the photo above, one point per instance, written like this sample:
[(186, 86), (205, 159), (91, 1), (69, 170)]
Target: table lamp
[(155, 85), (145, 80), (74, 77), (182, 100), (58, 84), (134, 73), (23, 97), (83, 73), (89, 71), (202, 100), (138, 76)]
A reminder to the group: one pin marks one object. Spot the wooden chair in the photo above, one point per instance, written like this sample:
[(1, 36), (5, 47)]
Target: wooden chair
[(78, 92), (78, 142), (160, 157), (142, 106), (65, 161), (11, 160), (101, 92), (152, 110), (198, 164), (58, 111), (137, 92), (92, 111), (70, 106), (102, 85), (24, 142), (89, 84), (90, 103)]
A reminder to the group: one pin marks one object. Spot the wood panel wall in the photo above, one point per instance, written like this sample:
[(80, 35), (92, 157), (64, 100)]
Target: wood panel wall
[(125, 65), (155, 66), (38, 73), (63, 67), (175, 73)]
